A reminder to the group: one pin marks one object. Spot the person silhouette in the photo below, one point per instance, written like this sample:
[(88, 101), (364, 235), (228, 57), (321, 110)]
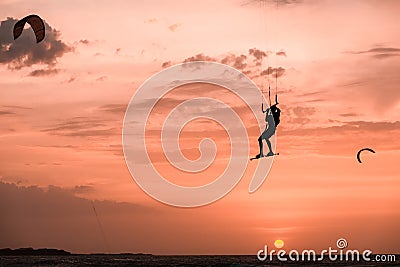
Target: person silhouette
[(272, 115)]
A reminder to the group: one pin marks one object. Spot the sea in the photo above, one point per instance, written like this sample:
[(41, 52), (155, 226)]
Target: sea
[(153, 260)]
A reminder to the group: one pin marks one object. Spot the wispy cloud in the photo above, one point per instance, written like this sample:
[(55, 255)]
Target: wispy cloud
[(386, 55), (72, 79), (281, 53), (114, 108), (5, 112), (16, 107), (101, 78), (274, 72), (44, 72), (166, 64), (199, 57), (173, 27), (297, 115), (271, 3), (152, 20), (379, 52), (83, 127), (238, 62), (247, 62), (83, 189), (348, 114), (341, 138), (85, 42)]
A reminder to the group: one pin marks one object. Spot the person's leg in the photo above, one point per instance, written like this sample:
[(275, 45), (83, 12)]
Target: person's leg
[(269, 146), (267, 135), (260, 144)]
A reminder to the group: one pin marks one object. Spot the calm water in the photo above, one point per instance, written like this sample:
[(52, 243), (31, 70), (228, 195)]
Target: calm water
[(148, 260)]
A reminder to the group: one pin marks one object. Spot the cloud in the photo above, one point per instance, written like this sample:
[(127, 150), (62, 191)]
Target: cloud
[(70, 80), (114, 108), (288, 2), (117, 150), (25, 52), (83, 127), (238, 62), (349, 114), (242, 62), (346, 127), (272, 3), (83, 189), (386, 55), (165, 104), (297, 115), (314, 93), (228, 59), (372, 126), (57, 217), (16, 107), (166, 64), (85, 42), (379, 52), (275, 72), (281, 53), (43, 72), (258, 55), (5, 112), (152, 20), (10, 110), (173, 27), (247, 72), (345, 138), (199, 57), (101, 78), (374, 86)]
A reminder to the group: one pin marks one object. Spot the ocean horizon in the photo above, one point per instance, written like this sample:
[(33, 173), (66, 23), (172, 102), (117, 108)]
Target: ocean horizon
[(169, 260)]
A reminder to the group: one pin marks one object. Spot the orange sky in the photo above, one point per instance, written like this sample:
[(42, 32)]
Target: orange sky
[(62, 111)]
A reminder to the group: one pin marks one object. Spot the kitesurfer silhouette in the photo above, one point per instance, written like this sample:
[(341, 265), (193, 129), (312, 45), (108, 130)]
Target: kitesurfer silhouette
[(272, 119)]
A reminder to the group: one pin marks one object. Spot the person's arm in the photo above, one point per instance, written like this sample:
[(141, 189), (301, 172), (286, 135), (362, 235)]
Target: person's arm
[(262, 108)]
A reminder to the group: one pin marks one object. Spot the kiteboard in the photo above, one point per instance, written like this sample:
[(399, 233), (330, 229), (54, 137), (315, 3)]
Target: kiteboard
[(265, 156)]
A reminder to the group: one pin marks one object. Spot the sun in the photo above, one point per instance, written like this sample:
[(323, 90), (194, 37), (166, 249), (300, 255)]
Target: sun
[(279, 243)]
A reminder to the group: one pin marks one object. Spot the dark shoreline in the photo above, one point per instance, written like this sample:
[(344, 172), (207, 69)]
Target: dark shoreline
[(55, 252)]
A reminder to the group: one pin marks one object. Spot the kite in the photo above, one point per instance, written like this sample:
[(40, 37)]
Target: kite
[(361, 150), (36, 23)]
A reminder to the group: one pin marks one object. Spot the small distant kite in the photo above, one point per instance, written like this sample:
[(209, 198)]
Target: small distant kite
[(361, 150), (36, 23)]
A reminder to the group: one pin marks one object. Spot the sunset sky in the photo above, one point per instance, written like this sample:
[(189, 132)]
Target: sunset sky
[(62, 106)]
